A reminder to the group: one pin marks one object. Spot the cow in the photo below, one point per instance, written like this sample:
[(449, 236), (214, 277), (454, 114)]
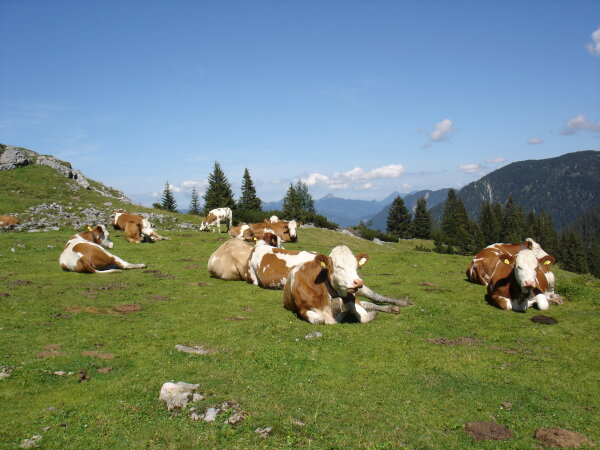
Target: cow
[(137, 228), (229, 261), (213, 220), (482, 267), (243, 232), (285, 230), (272, 219), (519, 281), (8, 221), (321, 291), (84, 253)]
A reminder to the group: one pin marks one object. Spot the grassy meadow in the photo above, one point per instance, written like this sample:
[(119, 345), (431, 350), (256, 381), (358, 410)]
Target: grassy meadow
[(408, 380)]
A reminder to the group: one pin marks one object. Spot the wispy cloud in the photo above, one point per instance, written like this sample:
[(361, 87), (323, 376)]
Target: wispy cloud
[(499, 160), (471, 168), (441, 132), (535, 141), (594, 46), (358, 177), (579, 122)]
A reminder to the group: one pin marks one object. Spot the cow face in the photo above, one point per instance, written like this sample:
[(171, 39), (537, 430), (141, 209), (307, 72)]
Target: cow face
[(102, 236), (342, 266), (289, 231), (525, 269)]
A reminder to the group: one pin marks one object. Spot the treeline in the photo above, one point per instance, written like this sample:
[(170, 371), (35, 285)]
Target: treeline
[(508, 222), (298, 204)]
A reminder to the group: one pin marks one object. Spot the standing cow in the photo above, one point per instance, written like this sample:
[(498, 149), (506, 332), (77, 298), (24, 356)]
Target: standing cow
[(213, 220)]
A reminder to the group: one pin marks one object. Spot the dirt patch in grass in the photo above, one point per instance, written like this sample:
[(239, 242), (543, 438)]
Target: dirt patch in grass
[(19, 283), (192, 266), (61, 316), (151, 271), (236, 318), (202, 284), (558, 437), (159, 274), (50, 354), (95, 354), (76, 309), (4, 294), (104, 370), (187, 260), (186, 243), (544, 320), (52, 347), (128, 308), (427, 283), (487, 431), (463, 340), (157, 297), (428, 289)]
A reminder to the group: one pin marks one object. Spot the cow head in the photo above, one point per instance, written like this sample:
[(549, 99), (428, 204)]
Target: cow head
[(272, 239), (146, 230), (341, 267), (247, 234), (99, 235), (289, 231), (208, 221)]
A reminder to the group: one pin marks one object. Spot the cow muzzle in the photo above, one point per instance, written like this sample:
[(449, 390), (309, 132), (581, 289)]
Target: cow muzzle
[(355, 286)]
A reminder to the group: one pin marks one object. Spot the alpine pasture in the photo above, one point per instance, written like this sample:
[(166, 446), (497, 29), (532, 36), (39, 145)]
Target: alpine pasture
[(85, 356)]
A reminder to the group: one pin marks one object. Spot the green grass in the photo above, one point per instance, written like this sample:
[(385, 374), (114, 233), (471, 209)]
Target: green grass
[(379, 385)]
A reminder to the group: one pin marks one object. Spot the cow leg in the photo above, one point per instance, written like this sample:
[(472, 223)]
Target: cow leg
[(541, 301), (354, 308), (366, 292), (392, 309), (501, 302), (125, 265)]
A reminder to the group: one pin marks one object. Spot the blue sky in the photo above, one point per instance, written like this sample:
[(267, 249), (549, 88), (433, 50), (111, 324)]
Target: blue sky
[(357, 98)]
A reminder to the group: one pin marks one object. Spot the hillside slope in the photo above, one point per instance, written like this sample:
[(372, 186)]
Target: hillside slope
[(566, 187)]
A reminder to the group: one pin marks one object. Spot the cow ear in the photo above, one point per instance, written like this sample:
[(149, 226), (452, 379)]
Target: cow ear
[(528, 243), (362, 259), (547, 260), (323, 261), (99, 229)]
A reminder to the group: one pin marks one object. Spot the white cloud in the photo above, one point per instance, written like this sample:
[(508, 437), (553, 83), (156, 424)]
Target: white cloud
[(174, 188), (358, 175), (155, 195), (535, 141), (470, 168), (499, 160), (579, 122), (441, 131), (594, 46)]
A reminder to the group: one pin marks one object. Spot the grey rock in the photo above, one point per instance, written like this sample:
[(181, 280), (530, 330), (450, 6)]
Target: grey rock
[(13, 157)]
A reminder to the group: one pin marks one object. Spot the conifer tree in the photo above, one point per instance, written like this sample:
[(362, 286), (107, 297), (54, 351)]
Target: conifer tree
[(249, 200), (168, 200), (292, 207), (512, 222), (422, 220), (497, 222), (545, 234), (572, 254), (399, 219), (455, 227), (219, 193), (194, 203), (593, 258), (487, 224), (307, 203)]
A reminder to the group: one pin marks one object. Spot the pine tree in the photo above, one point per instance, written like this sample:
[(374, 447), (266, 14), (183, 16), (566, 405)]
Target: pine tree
[(497, 222), (487, 224), (593, 257), (578, 257), (545, 234), (194, 203), (249, 200), (292, 207), (512, 222), (455, 226), (307, 203), (168, 200), (399, 219), (219, 193), (422, 220)]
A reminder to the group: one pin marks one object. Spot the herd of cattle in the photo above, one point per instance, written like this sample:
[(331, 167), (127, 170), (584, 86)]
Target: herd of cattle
[(320, 289)]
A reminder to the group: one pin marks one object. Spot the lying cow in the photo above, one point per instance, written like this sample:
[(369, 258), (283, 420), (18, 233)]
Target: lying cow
[(285, 230), (137, 228), (229, 261), (243, 232), (213, 220), (84, 253), (482, 267), (8, 221), (272, 219), (519, 281), (270, 267), (321, 291)]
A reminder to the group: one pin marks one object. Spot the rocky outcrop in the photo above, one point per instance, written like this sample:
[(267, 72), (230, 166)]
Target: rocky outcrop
[(13, 157), (65, 169)]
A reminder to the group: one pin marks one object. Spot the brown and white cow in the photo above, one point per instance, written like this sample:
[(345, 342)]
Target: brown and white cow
[(285, 230), (519, 281), (243, 232), (213, 220), (482, 267), (321, 291), (8, 221), (84, 253), (229, 261), (272, 219), (137, 228)]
